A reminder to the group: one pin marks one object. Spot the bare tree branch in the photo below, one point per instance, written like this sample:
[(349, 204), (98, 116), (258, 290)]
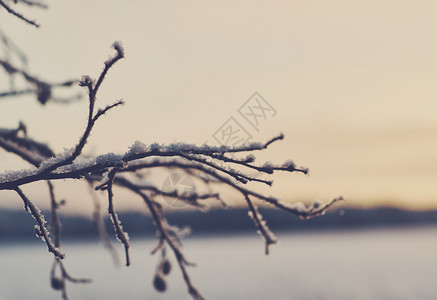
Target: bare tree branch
[(42, 89), (121, 235), (100, 226), (17, 14), (40, 229), (212, 164)]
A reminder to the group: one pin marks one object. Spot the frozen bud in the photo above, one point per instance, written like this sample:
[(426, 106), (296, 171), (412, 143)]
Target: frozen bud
[(289, 165), (86, 81), (37, 231), (316, 205), (57, 284), (44, 92), (166, 267), (159, 283), (119, 48)]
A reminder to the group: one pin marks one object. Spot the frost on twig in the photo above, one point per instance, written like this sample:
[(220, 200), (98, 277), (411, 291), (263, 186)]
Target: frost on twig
[(121, 235), (100, 226), (40, 229), (213, 165), (260, 224)]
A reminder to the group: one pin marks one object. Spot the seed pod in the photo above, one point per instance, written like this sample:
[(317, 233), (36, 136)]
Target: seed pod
[(57, 284), (159, 283), (166, 267)]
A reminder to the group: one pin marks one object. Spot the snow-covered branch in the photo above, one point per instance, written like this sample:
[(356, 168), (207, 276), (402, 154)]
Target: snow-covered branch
[(214, 165)]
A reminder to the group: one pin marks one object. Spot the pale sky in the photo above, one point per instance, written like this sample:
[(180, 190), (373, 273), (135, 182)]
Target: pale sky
[(353, 84)]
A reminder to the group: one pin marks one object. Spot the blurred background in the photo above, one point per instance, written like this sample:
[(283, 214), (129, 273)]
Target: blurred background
[(352, 87)]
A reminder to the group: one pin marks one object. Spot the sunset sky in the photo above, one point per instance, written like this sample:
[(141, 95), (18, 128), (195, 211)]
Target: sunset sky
[(353, 85)]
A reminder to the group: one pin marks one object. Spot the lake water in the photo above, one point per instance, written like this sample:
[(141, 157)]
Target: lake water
[(357, 264)]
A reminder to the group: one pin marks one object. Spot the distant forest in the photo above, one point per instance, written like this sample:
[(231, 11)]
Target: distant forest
[(219, 221)]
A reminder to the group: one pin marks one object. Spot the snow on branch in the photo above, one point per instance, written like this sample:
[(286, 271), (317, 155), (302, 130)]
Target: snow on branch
[(40, 229), (213, 165)]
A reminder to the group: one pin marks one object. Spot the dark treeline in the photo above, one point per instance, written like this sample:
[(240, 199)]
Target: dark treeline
[(15, 224)]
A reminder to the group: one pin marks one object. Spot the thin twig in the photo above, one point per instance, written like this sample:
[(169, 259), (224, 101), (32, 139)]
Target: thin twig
[(260, 224), (17, 14), (160, 223), (209, 163), (121, 235), (40, 229), (100, 226)]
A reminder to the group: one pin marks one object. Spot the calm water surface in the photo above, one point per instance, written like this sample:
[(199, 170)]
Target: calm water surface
[(371, 264)]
